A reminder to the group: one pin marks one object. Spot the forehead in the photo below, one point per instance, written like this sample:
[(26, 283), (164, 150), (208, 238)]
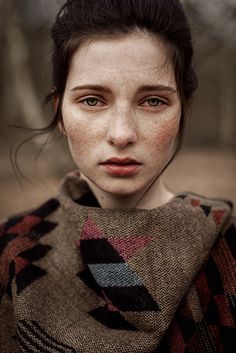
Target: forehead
[(134, 57)]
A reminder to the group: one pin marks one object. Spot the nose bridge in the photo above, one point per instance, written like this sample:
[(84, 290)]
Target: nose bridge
[(123, 116), (122, 127)]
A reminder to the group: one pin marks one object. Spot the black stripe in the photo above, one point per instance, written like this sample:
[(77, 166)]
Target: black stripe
[(13, 221), (24, 334), (23, 345), (214, 278), (37, 252), (42, 228), (48, 207), (47, 345), (34, 328), (5, 239), (105, 253), (230, 237), (35, 323), (27, 276)]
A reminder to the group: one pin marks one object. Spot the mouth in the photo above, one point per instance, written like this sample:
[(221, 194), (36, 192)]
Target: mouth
[(121, 161), (121, 167)]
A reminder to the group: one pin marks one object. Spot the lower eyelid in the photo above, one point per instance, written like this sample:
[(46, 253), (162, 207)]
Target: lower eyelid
[(85, 101), (160, 103)]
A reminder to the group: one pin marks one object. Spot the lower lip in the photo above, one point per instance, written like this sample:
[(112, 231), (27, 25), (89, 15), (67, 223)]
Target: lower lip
[(121, 170)]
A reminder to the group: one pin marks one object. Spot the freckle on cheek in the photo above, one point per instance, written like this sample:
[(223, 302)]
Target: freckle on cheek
[(80, 144), (166, 135)]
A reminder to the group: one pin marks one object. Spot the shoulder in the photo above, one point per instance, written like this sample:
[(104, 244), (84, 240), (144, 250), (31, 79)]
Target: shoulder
[(24, 221), (217, 277), (206, 315), (223, 253), (223, 213), (19, 235)]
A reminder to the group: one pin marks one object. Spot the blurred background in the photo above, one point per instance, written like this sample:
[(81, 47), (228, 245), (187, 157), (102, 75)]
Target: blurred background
[(207, 162)]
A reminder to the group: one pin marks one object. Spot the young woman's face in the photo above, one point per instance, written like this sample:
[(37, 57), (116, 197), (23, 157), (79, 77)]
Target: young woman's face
[(121, 111)]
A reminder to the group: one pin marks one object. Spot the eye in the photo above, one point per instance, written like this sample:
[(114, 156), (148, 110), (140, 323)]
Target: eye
[(91, 101), (154, 102)]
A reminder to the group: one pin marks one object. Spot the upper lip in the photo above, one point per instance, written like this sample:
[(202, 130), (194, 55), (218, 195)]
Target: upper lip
[(116, 160)]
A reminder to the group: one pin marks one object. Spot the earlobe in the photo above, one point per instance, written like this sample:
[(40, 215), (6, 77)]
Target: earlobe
[(56, 103), (62, 127)]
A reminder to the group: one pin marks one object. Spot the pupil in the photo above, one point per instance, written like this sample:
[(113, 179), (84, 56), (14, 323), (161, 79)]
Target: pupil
[(92, 101), (153, 101)]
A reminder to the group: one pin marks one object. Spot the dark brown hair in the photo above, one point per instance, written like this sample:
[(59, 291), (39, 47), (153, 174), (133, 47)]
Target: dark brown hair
[(79, 20)]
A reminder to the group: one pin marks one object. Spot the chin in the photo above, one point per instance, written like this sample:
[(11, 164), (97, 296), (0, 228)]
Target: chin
[(122, 188)]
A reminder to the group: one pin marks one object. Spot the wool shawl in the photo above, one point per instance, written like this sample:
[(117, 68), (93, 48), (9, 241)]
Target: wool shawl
[(75, 277)]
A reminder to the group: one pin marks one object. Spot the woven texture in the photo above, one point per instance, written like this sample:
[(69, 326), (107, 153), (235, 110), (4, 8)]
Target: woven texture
[(78, 278)]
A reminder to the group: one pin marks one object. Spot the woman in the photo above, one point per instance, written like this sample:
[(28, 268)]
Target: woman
[(116, 262)]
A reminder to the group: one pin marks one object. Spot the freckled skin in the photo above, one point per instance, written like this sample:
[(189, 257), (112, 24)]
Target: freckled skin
[(122, 123)]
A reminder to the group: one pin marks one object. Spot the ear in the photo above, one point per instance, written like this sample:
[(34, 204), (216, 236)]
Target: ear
[(56, 102), (62, 127)]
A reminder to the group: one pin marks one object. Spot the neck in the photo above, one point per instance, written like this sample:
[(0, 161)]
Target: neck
[(154, 197)]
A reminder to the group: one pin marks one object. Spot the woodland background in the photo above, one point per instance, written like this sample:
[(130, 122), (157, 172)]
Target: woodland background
[(207, 162)]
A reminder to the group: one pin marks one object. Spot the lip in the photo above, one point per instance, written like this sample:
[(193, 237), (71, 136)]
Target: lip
[(121, 166), (116, 160)]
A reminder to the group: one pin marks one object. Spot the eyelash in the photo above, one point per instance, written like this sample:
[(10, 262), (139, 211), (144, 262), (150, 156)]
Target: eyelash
[(159, 101), (89, 98)]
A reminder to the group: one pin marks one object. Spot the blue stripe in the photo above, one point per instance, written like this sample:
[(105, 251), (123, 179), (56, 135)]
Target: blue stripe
[(114, 275)]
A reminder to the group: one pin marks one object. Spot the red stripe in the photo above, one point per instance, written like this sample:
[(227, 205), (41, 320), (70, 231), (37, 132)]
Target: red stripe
[(15, 247), (185, 309), (177, 344), (226, 265), (195, 202), (202, 289), (20, 264), (218, 216), (25, 225), (224, 311)]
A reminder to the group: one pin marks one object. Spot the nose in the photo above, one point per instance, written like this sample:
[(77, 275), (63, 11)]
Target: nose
[(122, 129)]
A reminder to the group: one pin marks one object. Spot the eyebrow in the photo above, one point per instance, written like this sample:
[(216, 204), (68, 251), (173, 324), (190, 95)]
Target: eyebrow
[(92, 87), (144, 88), (160, 88)]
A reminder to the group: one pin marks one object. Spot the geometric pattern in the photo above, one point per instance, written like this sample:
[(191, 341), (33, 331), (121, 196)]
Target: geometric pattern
[(205, 325), (112, 319), (32, 338), (19, 245), (107, 315), (217, 214), (215, 285), (109, 274)]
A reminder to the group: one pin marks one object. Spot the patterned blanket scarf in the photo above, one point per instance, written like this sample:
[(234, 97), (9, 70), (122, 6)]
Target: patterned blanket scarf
[(78, 278)]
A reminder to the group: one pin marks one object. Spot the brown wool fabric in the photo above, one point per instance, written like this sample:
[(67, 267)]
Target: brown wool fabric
[(78, 278)]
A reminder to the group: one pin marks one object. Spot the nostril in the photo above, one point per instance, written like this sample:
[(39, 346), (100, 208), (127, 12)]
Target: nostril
[(121, 143), (121, 136)]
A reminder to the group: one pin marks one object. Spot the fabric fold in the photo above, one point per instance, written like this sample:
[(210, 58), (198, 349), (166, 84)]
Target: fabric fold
[(78, 278), (143, 261)]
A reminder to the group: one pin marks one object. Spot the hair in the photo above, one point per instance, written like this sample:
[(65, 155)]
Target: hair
[(80, 20)]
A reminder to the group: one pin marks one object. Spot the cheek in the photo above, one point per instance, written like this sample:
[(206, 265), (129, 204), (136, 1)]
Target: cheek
[(77, 133), (163, 137), (77, 140)]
